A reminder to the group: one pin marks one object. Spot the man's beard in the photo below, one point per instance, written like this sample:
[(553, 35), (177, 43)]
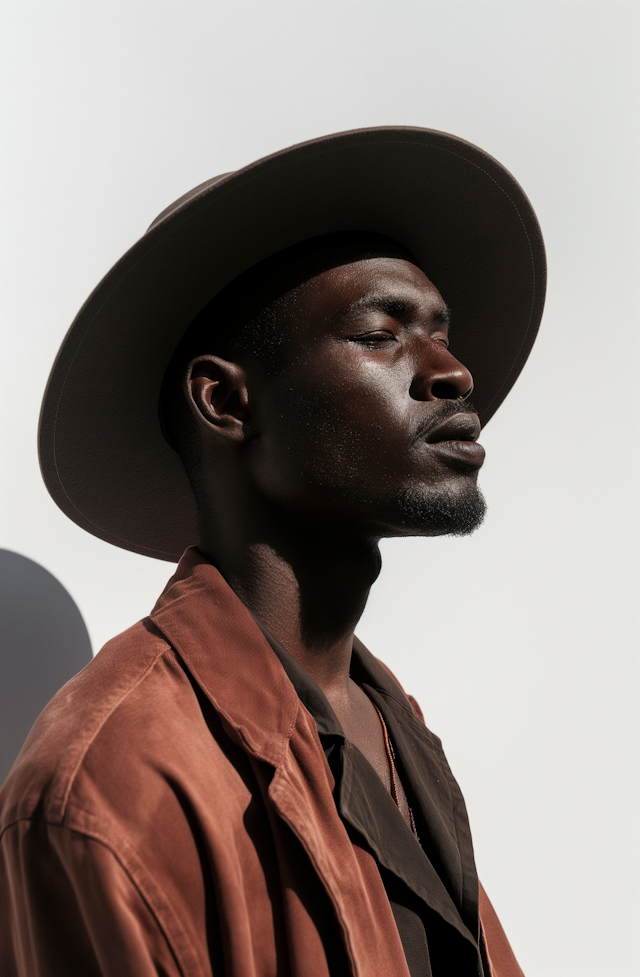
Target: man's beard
[(439, 513)]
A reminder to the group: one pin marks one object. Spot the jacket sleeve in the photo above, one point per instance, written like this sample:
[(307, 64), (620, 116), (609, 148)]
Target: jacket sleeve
[(500, 956), (70, 908)]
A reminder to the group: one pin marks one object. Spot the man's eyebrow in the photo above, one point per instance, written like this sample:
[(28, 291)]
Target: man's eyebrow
[(443, 314), (392, 305)]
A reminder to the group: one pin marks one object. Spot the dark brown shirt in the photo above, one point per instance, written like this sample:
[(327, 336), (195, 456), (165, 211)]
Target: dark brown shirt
[(437, 939)]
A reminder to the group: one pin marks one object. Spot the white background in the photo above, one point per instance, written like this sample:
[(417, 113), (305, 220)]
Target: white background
[(518, 641)]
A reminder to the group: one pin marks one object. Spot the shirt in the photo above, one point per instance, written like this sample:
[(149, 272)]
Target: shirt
[(408, 867)]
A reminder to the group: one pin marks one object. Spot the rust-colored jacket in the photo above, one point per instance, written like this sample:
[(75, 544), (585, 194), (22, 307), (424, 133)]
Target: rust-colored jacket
[(171, 813)]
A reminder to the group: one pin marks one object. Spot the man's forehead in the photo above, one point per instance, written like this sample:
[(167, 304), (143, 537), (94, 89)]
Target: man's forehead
[(380, 284)]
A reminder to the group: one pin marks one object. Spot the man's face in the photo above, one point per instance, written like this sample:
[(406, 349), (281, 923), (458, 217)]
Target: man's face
[(364, 422)]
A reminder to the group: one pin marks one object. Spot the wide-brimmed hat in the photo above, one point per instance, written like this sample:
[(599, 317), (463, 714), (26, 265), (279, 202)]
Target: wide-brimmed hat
[(469, 224)]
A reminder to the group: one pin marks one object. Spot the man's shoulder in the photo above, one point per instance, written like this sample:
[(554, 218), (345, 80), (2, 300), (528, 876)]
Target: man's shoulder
[(102, 708)]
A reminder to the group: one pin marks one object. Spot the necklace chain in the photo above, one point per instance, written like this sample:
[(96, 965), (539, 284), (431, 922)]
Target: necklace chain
[(391, 758)]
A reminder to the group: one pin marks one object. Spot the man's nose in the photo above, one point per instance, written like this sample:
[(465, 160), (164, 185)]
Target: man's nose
[(440, 376)]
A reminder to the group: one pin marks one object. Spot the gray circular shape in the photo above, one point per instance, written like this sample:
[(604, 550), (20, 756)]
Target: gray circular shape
[(43, 643)]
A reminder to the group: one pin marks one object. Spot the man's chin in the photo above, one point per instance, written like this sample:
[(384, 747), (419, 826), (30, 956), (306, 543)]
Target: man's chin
[(452, 512)]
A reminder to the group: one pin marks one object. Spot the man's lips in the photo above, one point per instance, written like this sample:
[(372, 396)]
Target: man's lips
[(457, 427), (454, 440)]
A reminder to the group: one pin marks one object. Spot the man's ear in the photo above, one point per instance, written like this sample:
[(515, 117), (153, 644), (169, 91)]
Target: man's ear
[(217, 393)]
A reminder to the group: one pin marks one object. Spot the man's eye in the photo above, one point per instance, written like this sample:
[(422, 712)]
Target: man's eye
[(373, 339)]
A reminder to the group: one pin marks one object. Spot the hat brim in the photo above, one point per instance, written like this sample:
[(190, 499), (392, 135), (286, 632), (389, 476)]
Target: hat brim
[(467, 221)]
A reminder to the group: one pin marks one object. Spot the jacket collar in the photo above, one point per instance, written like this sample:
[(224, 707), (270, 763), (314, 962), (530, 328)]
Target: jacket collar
[(228, 655), (233, 662)]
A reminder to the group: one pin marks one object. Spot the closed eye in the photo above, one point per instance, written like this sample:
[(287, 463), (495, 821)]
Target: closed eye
[(373, 339)]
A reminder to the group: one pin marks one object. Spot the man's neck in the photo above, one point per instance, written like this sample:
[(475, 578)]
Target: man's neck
[(307, 585)]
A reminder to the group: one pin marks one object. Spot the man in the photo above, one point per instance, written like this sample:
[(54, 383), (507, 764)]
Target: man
[(236, 785)]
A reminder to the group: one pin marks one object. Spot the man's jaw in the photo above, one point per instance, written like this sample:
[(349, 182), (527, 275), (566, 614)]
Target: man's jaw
[(456, 509)]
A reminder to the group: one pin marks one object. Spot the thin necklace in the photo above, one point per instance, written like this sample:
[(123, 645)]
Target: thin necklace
[(391, 758)]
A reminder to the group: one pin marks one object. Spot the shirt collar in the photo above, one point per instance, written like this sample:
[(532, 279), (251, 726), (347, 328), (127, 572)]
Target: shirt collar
[(434, 872)]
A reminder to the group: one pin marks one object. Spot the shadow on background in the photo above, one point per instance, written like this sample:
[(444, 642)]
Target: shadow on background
[(43, 643)]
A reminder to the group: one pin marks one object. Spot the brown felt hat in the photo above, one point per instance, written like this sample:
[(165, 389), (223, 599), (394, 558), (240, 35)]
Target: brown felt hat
[(470, 226)]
